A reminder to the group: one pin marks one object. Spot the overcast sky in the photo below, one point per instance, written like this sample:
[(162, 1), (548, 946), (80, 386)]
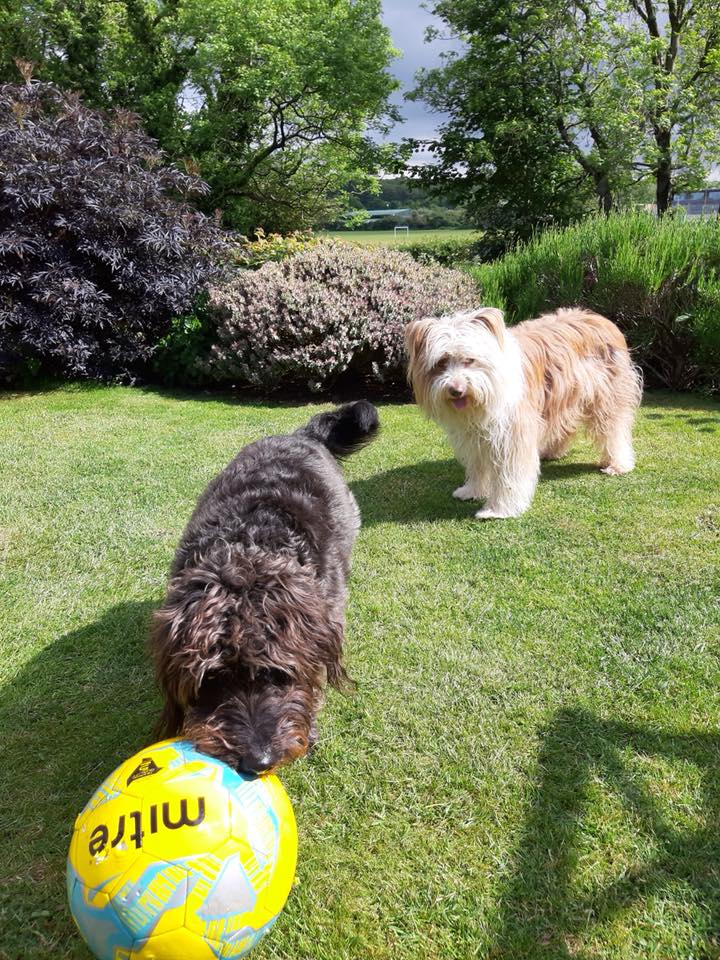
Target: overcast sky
[(407, 22)]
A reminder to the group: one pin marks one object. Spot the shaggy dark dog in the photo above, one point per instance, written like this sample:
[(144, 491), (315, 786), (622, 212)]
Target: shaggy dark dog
[(253, 623)]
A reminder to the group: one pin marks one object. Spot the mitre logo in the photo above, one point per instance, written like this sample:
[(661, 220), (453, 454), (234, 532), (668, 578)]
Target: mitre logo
[(101, 834), (146, 768)]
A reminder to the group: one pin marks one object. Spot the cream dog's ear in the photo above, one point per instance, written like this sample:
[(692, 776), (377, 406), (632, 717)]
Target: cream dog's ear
[(415, 333), (416, 337), (493, 320)]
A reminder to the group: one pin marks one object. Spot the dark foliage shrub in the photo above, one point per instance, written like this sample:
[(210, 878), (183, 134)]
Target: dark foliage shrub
[(658, 280), (99, 247), (330, 311)]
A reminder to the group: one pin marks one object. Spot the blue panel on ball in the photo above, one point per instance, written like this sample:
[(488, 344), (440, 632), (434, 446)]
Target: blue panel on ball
[(143, 900), (230, 778), (101, 927)]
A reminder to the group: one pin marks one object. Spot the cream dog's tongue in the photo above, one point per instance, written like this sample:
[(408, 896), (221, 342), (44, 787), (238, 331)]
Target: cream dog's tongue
[(459, 403)]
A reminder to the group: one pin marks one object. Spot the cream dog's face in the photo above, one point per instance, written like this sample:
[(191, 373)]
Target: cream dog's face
[(456, 361)]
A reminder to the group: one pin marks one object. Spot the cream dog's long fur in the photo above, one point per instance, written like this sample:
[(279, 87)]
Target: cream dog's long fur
[(510, 396)]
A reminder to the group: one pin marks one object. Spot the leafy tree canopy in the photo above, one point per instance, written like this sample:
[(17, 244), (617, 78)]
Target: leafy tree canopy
[(550, 102), (270, 100)]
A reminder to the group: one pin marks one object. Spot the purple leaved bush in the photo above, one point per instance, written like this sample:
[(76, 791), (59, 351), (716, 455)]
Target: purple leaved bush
[(329, 310), (99, 247)]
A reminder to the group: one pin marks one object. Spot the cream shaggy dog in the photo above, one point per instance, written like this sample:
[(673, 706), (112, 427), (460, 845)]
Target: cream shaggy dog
[(511, 397)]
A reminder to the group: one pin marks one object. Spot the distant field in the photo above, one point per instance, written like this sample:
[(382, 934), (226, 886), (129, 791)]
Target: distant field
[(387, 238)]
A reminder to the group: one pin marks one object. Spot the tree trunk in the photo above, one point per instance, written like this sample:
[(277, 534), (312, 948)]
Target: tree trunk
[(663, 190), (604, 193), (663, 173)]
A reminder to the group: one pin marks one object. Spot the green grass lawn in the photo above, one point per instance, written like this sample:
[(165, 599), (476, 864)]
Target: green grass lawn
[(530, 767), (387, 238)]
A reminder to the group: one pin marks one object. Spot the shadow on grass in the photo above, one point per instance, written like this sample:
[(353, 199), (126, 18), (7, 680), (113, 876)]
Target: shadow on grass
[(230, 398), (416, 492), (561, 470), (693, 403), (290, 396), (69, 717), (701, 424), (423, 491), (543, 917), (691, 408)]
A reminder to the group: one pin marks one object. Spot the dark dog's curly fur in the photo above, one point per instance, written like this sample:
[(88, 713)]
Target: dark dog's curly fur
[(253, 623)]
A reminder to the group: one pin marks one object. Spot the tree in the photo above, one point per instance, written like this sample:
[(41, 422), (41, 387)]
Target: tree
[(498, 153), (67, 38), (675, 48), (571, 95), (270, 99)]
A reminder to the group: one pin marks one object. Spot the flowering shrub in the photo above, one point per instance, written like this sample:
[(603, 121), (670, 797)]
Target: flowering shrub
[(98, 247), (329, 310)]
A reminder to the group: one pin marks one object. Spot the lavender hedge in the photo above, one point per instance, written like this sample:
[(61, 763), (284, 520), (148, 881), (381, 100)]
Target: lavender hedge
[(331, 310)]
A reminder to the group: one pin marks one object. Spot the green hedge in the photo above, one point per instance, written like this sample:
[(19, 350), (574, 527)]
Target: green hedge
[(659, 281), (445, 251)]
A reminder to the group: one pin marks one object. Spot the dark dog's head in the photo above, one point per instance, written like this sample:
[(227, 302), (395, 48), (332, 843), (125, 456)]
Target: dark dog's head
[(243, 647)]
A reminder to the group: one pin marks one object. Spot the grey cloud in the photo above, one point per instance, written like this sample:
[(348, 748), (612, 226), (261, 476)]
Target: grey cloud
[(408, 22)]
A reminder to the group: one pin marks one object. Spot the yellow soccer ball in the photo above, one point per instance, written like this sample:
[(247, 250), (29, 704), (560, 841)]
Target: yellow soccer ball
[(178, 857)]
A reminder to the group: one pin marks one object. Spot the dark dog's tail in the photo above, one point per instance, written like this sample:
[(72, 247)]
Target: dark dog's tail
[(345, 430)]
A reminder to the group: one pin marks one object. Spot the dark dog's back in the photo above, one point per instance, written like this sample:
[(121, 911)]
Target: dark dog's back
[(284, 493)]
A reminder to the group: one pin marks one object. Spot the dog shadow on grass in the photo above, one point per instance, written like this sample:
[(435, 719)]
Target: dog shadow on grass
[(544, 915), (423, 491), (413, 493), (70, 716)]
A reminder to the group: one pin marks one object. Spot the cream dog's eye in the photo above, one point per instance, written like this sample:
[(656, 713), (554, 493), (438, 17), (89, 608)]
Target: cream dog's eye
[(468, 361), (440, 365)]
